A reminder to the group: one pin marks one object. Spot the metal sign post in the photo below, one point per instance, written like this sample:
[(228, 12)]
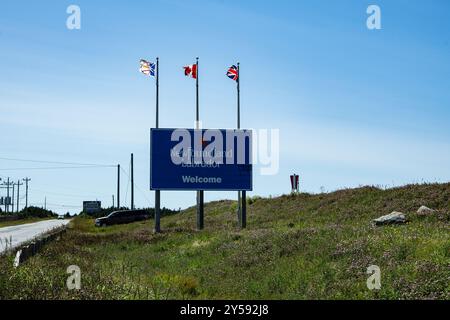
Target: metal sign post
[(295, 183)]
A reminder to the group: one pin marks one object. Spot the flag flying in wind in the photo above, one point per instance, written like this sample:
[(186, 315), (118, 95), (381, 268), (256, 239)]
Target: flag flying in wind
[(147, 68), (232, 73), (190, 71)]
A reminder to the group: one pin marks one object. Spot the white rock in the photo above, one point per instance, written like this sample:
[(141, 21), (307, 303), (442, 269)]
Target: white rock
[(424, 211), (394, 217)]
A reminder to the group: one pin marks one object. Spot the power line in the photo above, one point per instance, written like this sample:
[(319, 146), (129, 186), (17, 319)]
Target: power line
[(70, 195), (69, 188), (58, 168), (69, 165), (56, 205), (137, 187), (55, 162), (26, 191), (128, 185)]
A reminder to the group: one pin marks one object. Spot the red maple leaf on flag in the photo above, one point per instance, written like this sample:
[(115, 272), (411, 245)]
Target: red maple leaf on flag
[(191, 71)]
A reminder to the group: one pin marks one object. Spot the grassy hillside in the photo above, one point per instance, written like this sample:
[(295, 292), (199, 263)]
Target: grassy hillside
[(295, 247)]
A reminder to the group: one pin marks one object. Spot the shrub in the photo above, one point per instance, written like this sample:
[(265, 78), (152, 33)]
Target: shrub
[(35, 212)]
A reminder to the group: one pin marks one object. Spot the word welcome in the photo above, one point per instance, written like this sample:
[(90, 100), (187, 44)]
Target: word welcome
[(196, 179)]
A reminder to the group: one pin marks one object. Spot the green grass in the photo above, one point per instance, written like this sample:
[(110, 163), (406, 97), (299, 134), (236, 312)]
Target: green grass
[(295, 247), (21, 221)]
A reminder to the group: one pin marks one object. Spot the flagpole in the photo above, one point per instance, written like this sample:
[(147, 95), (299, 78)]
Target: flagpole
[(239, 216), (242, 199), (157, 192), (238, 98), (200, 195), (243, 194), (157, 92), (197, 107)]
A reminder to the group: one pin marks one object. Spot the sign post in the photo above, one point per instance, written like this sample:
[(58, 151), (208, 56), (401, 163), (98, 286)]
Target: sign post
[(295, 183)]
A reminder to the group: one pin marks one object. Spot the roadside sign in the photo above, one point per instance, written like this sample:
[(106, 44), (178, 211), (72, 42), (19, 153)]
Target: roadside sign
[(188, 159), (5, 201), (92, 206), (295, 182)]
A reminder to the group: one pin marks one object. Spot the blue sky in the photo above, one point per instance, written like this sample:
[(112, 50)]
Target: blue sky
[(354, 106)]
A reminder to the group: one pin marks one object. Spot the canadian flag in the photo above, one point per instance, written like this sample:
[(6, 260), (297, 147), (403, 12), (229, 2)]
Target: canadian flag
[(191, 71)]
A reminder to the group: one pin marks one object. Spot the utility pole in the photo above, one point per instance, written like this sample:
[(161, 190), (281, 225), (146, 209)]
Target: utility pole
[(112, 202), (118, 187), (7, 202), (26, 191), (45, 203), (12, 199), (5, 199), (7, 196), (132, 183), (18, 194)]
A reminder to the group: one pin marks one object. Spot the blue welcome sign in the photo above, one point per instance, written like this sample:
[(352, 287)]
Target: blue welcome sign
[(207, 159)]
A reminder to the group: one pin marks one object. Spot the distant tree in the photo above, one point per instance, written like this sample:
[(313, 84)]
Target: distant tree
[(36, 212)]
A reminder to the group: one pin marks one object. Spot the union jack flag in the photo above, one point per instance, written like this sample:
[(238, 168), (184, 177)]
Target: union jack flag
[(232, 73)]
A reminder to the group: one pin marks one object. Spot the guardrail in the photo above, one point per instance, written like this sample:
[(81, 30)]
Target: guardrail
[(27, 251)]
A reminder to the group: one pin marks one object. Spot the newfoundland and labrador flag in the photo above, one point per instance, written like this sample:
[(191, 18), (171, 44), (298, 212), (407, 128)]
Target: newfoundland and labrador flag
[(190, 71), (232, 73), (147, 68)]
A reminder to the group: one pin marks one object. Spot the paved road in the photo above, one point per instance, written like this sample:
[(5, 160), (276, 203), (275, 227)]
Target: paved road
[(25, 232)]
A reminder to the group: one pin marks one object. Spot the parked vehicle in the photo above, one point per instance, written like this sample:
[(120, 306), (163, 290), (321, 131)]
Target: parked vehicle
[(122, 217)]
